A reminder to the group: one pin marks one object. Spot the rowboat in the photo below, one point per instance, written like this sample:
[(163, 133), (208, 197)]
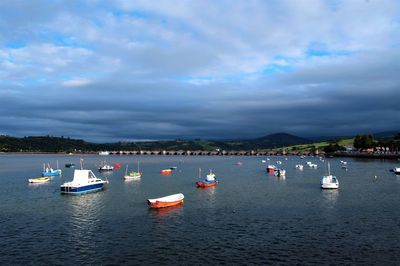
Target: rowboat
[(166, 201), (39, 180)]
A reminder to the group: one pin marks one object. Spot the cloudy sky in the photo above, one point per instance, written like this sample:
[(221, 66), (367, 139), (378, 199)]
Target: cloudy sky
[(129, 70)]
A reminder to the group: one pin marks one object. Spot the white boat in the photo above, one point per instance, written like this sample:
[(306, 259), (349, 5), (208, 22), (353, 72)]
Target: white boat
[(313, 166), (167, 201), (278, 162), (132, 174), (263, 161), (299, 167), (39, 179), (105, 167), (396, 170), (104, 153), (84, 181), (280, 172), (329, 181)]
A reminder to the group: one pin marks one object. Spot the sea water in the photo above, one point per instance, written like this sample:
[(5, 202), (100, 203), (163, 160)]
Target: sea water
[(250, 217)]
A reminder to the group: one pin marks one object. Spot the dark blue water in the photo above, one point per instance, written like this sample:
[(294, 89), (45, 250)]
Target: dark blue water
[(249, 218)]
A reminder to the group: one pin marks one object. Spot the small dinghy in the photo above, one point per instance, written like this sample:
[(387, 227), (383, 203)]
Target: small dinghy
[(210, 180), (167, 201), (39, 179)]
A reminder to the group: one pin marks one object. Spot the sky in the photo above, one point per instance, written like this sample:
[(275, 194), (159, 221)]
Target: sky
[(108, 71)]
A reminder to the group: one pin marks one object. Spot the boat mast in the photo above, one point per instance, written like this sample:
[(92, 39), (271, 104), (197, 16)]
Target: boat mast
[(329, 169), (81, 161), (138, 167), (199, 173), (126, 170)]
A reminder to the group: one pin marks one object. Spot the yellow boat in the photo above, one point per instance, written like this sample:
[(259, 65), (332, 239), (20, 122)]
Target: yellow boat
[(39, 180)]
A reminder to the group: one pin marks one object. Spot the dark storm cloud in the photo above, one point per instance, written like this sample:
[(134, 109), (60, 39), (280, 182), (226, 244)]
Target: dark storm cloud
[(132, 70)]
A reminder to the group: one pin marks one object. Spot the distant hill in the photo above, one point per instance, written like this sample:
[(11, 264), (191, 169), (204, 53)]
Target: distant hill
[(61, 144), (386, 134), (281, 140)]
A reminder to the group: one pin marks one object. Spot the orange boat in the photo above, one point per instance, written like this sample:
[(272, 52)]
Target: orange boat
[(167, 201), (166, 171)]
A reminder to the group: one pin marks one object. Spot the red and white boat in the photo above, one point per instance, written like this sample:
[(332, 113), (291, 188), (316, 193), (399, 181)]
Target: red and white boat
[(271, 169), (210, 180), (167, 201)]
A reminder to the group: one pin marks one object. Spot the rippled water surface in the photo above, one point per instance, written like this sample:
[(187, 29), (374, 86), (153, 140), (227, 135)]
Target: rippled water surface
[(249, 218)]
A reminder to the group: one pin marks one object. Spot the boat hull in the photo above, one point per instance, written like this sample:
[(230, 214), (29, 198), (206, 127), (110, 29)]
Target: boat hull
[(206, 184), (166, 172), (75, 190), (161, 204), (330, 186), (39, 180), (54, 173)]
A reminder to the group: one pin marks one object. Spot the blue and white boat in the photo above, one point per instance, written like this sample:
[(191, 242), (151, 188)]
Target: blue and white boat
[(84, 181), (48, 171)]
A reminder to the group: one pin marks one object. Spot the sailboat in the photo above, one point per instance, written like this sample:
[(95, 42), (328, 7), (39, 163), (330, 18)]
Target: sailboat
[(132, 174), (329, 181)]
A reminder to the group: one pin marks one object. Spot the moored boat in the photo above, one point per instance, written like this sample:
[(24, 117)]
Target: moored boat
[(105, 167), (39, 179), (132, 174), (166, 171), (210, 180), (280, 172), (104, 153), (271, 169), (48, 171), (84, 181), (166, 201), (396, 170), (329, 181), (69, 165), (299, 167)]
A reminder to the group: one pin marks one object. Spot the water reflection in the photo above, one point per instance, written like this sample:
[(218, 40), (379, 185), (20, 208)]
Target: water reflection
[(167, 212), (329, 197), (84, 219)]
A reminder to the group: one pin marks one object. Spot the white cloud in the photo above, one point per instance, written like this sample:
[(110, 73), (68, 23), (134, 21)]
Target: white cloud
[(76, 82)]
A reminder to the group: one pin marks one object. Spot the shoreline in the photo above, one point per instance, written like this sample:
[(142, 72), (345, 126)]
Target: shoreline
[(214, 153)]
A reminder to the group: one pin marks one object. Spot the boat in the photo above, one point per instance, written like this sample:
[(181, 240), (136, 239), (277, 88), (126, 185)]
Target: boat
[(105, 167), (280, 172), (167, 201), (166, 171), (117, 166), (210, 180), (329, 181), (39, 179), (396, 170), (69, 165), (278, 162), (132, 174), (104, 153), (299, 167), (263, 161), (239, 164), (84, 181), (48, 171), (271, 169), (313, 166), (173, 167)]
